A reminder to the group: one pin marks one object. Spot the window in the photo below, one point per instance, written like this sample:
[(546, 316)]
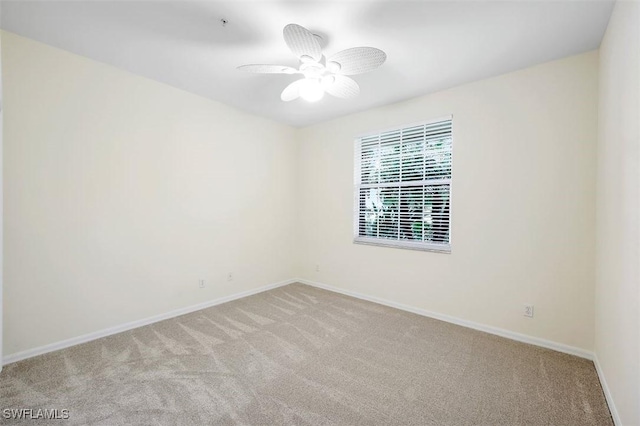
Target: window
[(403, 187)]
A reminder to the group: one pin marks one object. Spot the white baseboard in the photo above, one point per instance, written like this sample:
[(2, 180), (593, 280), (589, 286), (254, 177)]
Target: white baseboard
[(182, 311), (607, 392), (582, 353), (19, 356)]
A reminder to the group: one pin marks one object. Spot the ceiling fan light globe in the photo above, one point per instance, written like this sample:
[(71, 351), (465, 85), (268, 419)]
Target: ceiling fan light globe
[(327, 81), (311, 90), (333, 67)]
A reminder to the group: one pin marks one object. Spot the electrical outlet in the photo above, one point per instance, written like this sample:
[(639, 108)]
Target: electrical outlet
[(317, 268), (230, 276), (201, 283), (528, 311)]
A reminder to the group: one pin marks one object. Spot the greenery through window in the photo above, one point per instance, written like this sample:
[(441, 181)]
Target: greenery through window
[(403, 187)]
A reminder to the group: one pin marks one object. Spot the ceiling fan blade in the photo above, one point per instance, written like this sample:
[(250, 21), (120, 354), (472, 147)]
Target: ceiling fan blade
[(268, 69), (356, 60), (302, 42), (292, 91), (343, 87)]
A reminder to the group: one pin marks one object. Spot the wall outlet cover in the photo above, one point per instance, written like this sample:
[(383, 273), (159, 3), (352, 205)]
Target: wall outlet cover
[(528, 311)]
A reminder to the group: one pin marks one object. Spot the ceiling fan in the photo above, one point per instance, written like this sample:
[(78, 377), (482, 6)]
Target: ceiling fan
[(321, 74)]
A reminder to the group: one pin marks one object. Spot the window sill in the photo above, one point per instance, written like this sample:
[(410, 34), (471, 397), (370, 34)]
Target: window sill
[(407, 245)]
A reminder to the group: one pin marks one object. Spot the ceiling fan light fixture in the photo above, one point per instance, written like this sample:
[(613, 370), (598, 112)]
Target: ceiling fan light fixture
[(327, 81), (311, 90), (333, 67)]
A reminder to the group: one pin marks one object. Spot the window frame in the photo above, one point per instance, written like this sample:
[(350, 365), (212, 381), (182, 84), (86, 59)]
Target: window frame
[(382, 242)]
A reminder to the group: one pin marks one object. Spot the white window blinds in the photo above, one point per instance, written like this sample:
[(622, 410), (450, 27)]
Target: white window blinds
[(403, 187)]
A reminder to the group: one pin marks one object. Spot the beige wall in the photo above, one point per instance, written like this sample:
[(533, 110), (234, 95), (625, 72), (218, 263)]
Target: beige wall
[(523, 211), (617, 327), (121, 193)]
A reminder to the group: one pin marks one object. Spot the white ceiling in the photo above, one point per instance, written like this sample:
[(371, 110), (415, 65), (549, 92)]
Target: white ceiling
[(430, 45)]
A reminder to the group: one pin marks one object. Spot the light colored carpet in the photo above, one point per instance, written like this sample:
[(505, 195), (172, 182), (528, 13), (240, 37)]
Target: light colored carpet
[(301, 355)]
